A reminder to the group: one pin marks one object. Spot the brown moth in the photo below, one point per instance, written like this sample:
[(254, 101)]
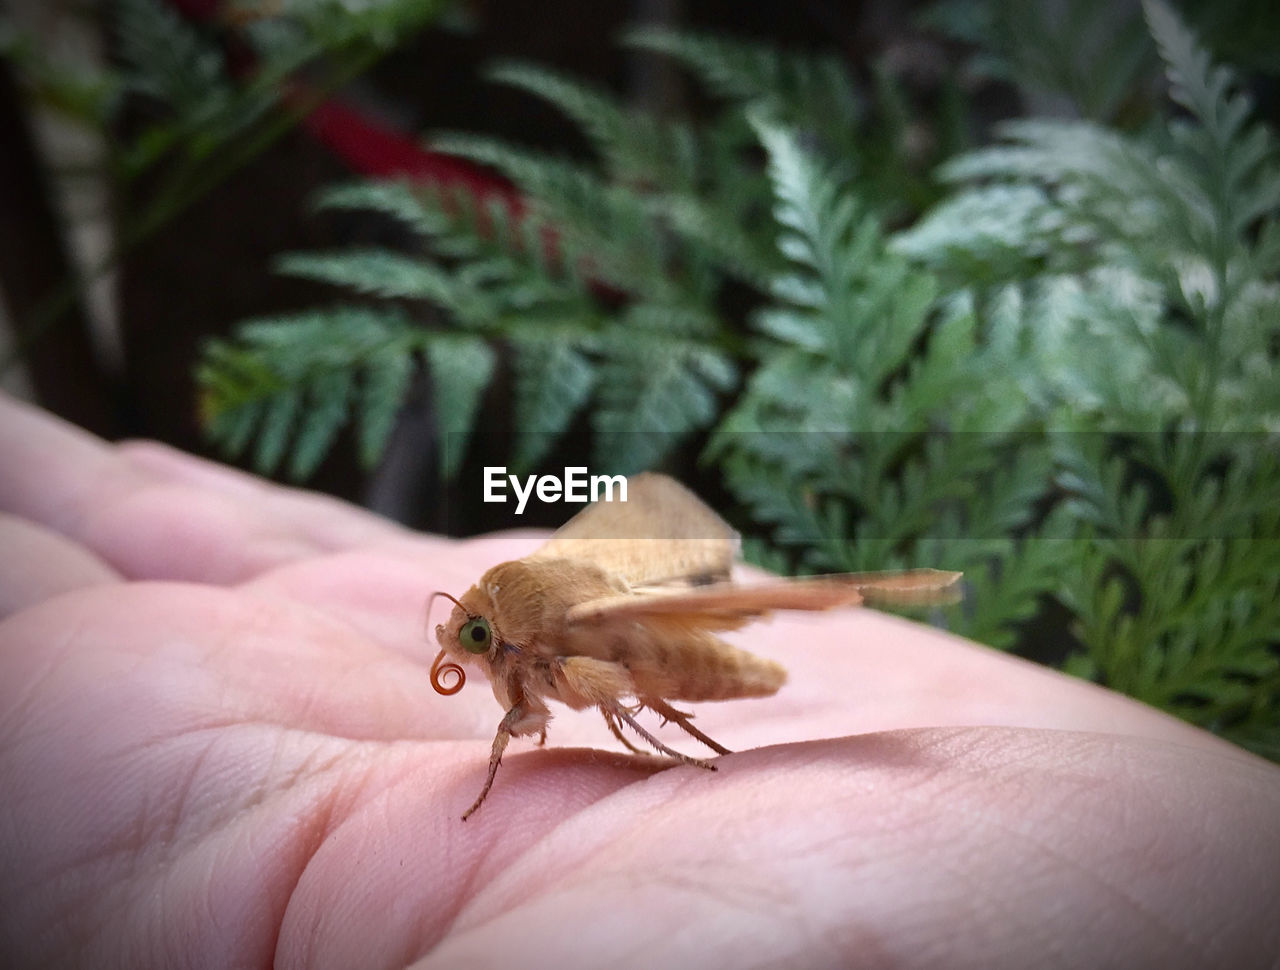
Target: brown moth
[(624, 602)]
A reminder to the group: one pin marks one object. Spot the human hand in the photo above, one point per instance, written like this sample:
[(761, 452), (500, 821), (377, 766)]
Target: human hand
[(219, 747)]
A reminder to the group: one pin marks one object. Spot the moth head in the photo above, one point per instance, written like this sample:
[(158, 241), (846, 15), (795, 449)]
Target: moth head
[(467, 636)]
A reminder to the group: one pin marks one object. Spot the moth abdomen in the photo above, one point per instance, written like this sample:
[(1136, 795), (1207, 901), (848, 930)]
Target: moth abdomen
[(703, 668)]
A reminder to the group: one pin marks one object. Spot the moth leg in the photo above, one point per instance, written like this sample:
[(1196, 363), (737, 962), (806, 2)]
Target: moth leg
[(523, 718), (612, 721), (619, 711), (669, 713), (495, 758)]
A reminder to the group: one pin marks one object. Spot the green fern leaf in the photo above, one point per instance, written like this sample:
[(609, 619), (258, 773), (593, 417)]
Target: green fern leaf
[(653, 393), (1195, 83), (290, 381), (396, 198), (375, 271), (553, 382), (388, 371), (460, 371), (811, 92), (607, 227), (1234, 155), (635, 147), (237, 427), (167, 59), (848, 300), (279, 422), (328, 400)]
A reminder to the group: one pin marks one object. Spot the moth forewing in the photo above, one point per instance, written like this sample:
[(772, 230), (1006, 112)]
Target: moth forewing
[(912, 587), (722, 599), (663, 534), (619, 610), (919, 587)]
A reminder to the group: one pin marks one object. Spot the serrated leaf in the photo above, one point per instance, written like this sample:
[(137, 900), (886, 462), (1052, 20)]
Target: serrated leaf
[(395, 198), (376, 271), (278, 423), (326, 412), (553, 381), (168, 59), (239, 427), (385, 381), (460, 371)]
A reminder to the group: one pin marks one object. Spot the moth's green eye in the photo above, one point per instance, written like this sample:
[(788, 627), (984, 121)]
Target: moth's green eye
[(476, 635)]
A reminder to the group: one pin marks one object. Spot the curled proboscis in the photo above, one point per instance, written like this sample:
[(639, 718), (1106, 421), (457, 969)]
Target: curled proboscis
[(440, 671)]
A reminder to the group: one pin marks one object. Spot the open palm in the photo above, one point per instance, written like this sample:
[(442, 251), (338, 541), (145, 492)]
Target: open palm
[(219, 747)]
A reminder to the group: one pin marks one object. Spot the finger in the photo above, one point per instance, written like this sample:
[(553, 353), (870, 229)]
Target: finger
[(51, 472), (60, 477), (153, 514), (189, 656), (38, 564), (325, 522)]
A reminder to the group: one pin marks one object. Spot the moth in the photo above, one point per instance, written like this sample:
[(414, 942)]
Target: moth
[(620, 611)]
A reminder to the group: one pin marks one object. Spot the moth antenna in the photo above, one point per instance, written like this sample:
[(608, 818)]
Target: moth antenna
[(440, 592), (439, 671)]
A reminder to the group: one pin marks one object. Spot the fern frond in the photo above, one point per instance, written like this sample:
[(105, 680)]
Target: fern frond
[(378, 272), (654, 390), (809, 91), (291, 381), (333, 24), (167, 59), (1141, 224), (1237, 157), (493, 271), (607, 227), (385, 380), (554, 380), (396, 198), (1176, 595), (636, 148), (1091, 55), (829, 441), (460, 370), (849, 300)]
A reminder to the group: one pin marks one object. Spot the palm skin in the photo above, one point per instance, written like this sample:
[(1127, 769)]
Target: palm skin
[(219, 747)]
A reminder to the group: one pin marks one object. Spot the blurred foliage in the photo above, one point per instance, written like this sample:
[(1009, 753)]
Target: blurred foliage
[(1060, 377), (184, 104), (1092, 55)]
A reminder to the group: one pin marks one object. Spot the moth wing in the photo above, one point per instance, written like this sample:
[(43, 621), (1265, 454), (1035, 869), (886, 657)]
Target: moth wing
[(908, 587), (662, 535), (726, 606)]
